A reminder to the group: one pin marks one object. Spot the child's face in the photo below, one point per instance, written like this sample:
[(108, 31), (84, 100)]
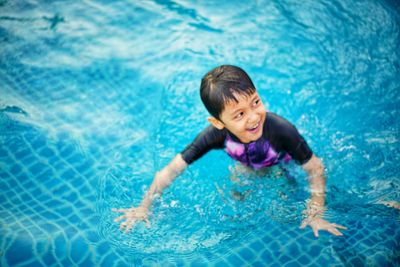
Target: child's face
[(244, 119)]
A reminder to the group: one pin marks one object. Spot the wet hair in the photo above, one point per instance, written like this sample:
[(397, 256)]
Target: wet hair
[(220, 85)]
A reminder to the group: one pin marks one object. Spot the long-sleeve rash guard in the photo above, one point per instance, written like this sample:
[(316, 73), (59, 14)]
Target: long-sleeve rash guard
[(280, 140)]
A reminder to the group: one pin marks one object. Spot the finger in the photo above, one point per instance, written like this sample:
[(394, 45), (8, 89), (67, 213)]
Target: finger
[(122, 226), (339, 226), (148, 224), (315, 231), (120, 218), (118, 210), (129, 226), (334, 231), (303, 224)]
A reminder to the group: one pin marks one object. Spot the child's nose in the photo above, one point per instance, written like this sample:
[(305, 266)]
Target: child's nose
[(253, 117)]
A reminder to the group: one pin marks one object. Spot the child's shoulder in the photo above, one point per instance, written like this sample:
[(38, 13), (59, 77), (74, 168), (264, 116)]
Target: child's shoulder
[(278, 125), (212, 136), (276, 120)]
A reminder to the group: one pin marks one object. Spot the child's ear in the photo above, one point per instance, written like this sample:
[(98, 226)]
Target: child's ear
[(216, 123)]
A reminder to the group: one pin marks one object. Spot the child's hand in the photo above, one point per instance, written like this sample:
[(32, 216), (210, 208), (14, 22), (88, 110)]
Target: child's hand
[(130, 216), (317, 223)]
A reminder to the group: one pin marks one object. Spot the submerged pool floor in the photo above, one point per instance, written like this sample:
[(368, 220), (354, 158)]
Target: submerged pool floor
[(95, 97)]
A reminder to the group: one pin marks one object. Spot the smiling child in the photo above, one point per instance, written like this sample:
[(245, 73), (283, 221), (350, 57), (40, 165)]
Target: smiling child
[(249, 134)]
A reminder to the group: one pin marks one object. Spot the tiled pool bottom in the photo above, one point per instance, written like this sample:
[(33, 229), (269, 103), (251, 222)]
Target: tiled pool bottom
[(95, 96), (50, 216)]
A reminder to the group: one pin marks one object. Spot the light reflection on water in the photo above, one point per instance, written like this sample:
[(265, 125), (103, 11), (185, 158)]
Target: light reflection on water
[(96, 97)]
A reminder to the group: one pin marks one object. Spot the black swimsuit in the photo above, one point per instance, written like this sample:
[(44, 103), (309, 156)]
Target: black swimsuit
[(280, 140)]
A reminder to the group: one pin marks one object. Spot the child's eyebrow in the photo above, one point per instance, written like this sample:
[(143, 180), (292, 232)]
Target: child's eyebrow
[(256, 96), (239, 109), (233, 113)]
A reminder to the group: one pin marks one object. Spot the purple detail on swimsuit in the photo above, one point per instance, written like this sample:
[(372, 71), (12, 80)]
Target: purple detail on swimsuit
[(287, 158), (260, 153), (235, 150)]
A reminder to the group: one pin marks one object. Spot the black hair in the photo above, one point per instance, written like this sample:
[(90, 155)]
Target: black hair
[(220, 85)]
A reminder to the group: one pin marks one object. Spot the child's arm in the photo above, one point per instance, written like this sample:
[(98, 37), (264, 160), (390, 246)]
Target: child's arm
[(315, 170), (315, 209), (161, 180)]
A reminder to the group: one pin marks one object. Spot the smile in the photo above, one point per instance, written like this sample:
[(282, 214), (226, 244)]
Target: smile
[(255, 128)]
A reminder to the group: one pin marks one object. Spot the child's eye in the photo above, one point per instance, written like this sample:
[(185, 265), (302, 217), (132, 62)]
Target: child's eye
[(239, 115), (256, 102)]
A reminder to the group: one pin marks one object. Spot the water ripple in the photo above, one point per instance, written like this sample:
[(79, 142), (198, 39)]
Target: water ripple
[(97, 96)]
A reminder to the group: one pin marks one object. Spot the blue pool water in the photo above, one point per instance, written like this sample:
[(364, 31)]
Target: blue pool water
[(96, 96)]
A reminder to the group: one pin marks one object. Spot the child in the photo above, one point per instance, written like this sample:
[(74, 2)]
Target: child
[(251, 135)]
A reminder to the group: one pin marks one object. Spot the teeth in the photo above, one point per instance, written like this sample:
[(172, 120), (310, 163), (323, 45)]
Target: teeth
[(254, 127)]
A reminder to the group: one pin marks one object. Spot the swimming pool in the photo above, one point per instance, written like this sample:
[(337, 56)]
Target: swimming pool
[(97, 96)]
